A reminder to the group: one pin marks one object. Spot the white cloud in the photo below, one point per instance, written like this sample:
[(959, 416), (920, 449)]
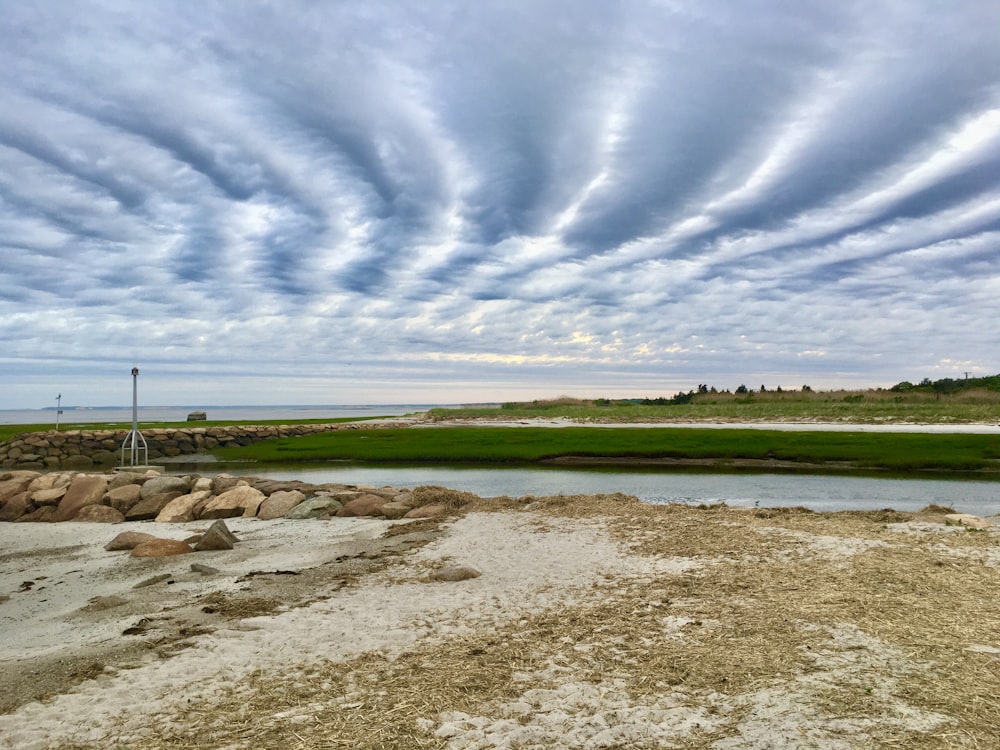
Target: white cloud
[(613, 199)]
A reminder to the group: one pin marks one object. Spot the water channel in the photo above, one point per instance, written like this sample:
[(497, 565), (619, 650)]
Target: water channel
[(824, 492)]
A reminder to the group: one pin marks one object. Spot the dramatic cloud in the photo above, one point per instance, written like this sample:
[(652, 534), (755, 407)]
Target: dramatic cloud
[(263, 202)]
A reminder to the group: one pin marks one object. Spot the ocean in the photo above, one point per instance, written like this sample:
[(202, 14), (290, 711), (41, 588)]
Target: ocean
[(150, 414)]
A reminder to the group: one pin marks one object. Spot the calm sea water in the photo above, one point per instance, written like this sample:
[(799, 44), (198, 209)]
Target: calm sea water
[(151, 414), (817, 492)]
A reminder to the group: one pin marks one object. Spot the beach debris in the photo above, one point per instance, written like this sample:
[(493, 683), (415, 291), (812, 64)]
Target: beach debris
[(968, 520), (101, 603), (205, 570), (455, 573), (427, 511), (152, 581)]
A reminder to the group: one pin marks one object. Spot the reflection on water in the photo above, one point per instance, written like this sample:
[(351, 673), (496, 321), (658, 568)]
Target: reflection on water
[(818, 492)]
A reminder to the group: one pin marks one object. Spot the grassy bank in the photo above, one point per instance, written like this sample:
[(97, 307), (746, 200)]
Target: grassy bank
[(836, 450), (861, 407)]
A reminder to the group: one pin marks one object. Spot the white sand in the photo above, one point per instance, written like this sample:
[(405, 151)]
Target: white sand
[(524, 570), (529, 563)]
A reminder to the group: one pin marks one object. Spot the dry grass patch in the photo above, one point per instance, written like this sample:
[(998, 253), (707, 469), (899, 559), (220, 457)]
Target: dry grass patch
[(828, 631)]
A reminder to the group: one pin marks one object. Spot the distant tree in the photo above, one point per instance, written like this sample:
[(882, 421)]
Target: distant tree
[(763, 389), (742, 389), (778, 390), (806, 389)]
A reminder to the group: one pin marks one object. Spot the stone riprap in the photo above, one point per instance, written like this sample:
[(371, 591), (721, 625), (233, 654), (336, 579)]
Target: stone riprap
[(84, 449), (34, 496)]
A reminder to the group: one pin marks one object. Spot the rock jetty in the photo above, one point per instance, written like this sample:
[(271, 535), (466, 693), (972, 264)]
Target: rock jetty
[(85, 449), (28, 495)]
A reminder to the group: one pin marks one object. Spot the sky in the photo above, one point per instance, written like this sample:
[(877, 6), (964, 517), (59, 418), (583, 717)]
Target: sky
[(300, 202)]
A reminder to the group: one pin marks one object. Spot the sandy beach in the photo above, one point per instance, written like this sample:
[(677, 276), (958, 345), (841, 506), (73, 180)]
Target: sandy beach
[(596, 622)]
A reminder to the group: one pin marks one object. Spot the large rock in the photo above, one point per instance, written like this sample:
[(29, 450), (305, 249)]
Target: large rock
[(159, 485), (124, 497), (224, 482), (149, 507), (45, 514), (15, 507), (50, 481), (313, 507), (85, 489), (123, 478), (242, 500), (434, 510), (48, 497), (99, 514), (395, 510), (15, 485), (127, 540), (161, 548), (218, 537), (182, 507), (279, 503), (366, 505)]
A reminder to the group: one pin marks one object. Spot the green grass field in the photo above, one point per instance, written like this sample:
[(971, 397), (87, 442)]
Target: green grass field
[(838, 450)]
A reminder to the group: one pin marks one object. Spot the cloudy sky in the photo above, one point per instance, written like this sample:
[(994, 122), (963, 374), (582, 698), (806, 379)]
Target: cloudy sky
[(437, 202)]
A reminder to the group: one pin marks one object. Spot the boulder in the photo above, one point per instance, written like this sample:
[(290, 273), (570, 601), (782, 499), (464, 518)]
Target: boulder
[(15, 485), (149, 507), (123, 478), (224, 482), (427, 511), (161, 548), (48, 497), (279, 503), (85, 489), (241, 500), (182, 507), (164, 483), (394, 510), (124, 497), (366, 505), (45, 514), (99, 514), (127, 540), (15, 507), (313, 507), (218, 537), (202, 484), (50, 481)]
